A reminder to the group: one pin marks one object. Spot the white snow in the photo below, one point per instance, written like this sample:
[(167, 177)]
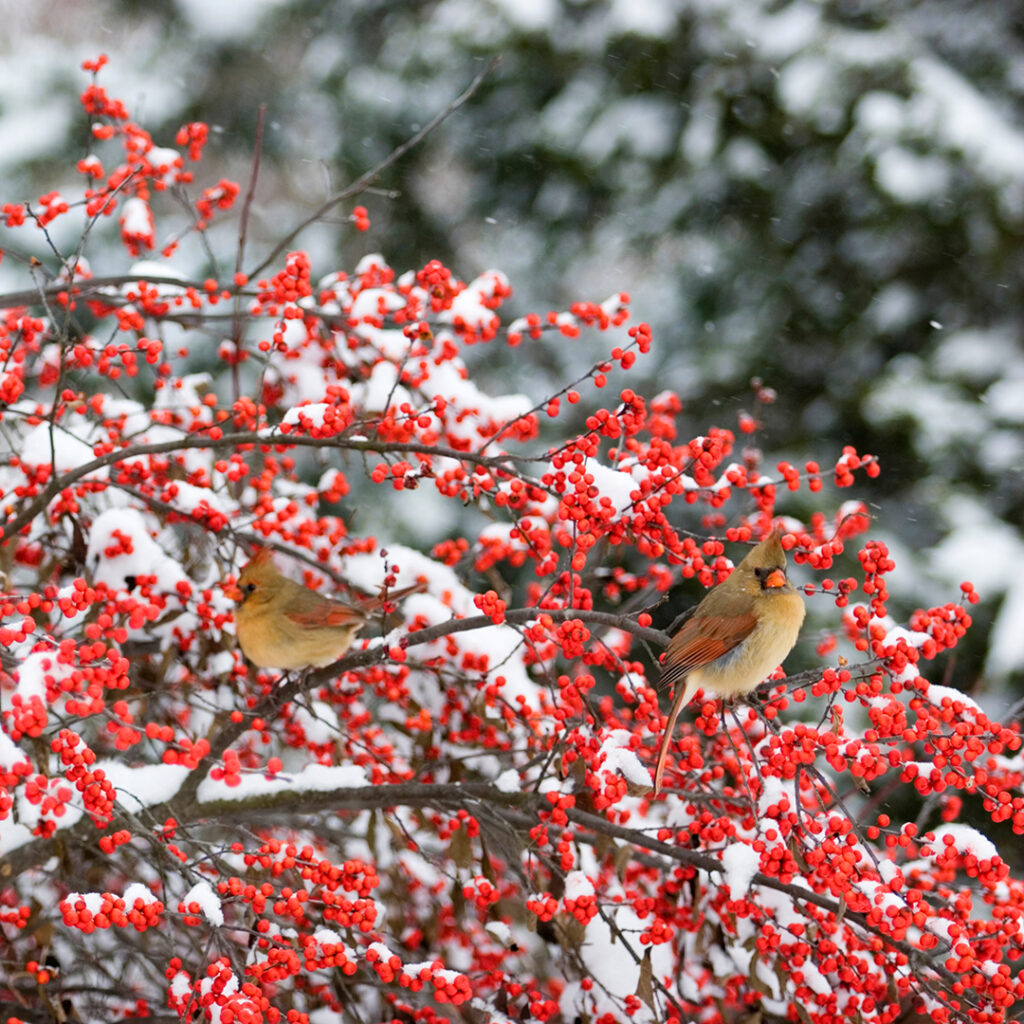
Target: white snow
[(786, 31), (740, 863), (227, 19), (894, 307), (190, 497), (773, 791), (157, 268), (880, 115), (911, 177), (808, 89), (314, 778), (618, 758), (508, 781), (936, 694), (913, 638), (93, 900), (68, 451), (944, 416), (951, 107), (371, 301), (319, 721), (977, 355), (34, 671), (965, 839), (815, 980), (641, 125), (146, 557), (469, 306), (612, 484), (702, 135), (979, 547), (380, 391), (500, 931), (654, 19), (209, 902), (604, 958), (528, 15), (144, 785), (1005, 398), (10, 753), (501, 644), (14, 834), (136, 217), (138, 891), (577, 884), (1006, 640), (312, 414)]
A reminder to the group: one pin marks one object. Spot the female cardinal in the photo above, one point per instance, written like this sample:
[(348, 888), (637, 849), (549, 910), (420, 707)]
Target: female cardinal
[(282, 624), (740, 631)]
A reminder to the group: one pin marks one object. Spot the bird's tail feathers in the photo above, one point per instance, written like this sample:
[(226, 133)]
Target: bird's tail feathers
[(682, 698)]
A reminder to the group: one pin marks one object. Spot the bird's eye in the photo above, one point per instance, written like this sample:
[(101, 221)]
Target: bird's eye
[(250, 587)]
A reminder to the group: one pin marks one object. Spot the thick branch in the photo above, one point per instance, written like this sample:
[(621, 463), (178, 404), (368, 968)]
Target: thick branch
[(14, 525), (93, 286), (455, 796), (269, 707), (184, 805)]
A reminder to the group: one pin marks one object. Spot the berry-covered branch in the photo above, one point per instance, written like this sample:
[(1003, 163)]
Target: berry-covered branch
[(453, 807)]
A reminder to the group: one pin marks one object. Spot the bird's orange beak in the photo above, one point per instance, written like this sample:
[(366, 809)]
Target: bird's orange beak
[(232, 590), (776, 578)]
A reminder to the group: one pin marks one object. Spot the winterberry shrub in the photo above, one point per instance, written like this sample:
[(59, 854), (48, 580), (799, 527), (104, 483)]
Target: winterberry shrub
[(455, 820)]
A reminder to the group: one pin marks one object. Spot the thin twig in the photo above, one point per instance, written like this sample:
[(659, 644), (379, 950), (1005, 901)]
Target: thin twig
[(366, 179), (85, 288), (243, 230)]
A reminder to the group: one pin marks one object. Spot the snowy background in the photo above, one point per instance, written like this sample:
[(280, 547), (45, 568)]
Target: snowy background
[(828, 196)]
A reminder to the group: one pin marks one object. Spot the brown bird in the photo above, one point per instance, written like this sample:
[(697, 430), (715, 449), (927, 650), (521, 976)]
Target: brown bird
[(740, 631), (283, 624)]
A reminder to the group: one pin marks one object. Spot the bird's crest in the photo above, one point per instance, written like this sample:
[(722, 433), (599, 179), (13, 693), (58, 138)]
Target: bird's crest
[(769, 551), (261, 556)]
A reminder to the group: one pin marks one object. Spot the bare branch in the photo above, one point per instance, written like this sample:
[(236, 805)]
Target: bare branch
[(13, 526), (243, 229), (365, 180)]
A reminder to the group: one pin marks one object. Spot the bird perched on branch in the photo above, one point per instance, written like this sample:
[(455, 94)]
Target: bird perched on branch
[(283, 624), (740, 631)]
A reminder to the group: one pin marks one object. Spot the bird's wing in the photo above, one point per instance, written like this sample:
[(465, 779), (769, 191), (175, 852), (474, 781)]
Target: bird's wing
[(328, 613), (311, 610), (701, 640)]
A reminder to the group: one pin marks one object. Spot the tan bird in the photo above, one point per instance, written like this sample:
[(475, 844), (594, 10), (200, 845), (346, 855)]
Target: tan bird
[(739, 633), (283, 624)]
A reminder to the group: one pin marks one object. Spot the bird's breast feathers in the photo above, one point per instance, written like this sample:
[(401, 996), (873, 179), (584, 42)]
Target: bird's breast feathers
[(288, 646), (760, 652)]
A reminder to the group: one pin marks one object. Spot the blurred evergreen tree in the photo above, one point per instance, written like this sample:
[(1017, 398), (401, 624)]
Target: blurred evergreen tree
[(827, 196)]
